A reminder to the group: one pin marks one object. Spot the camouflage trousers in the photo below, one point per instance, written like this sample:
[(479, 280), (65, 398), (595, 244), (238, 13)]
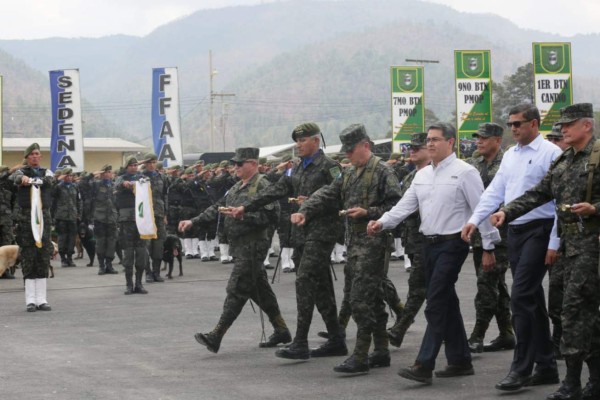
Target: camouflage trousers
[(314, 287), (155, 246), (492, 298), (66, 232), (35, 261), (134, 248), (6, 233), (248, 280), (417, 291), (580, 315), (556, 291), (106, 239)]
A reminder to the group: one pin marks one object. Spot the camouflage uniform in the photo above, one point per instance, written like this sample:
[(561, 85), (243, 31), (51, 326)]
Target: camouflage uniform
[(66, 213), (566, 183), (105, 216), (249, 246), (134, 248), (367, 255), (492, 298), (312, 243), (7, 198)]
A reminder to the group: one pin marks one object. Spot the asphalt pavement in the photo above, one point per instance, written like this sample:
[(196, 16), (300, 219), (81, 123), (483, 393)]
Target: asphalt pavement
[(97, 343)]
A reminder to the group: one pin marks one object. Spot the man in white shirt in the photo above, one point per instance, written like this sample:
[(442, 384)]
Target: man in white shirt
[(445, 193), (531, 247)]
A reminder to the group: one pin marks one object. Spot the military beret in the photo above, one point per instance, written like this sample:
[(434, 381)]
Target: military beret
[(148, 157), (131, 160), (418, 139), (489, 129), (67, 171), (175, 167), (245, 153), (574, 112), (58, 172), (199, 162), (189, 170), (353, 135), (106, 168), (32, 147), (305, 130), (262, 160), (286, 158), (223, 164)]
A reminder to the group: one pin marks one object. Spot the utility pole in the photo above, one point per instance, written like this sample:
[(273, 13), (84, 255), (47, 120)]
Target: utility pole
[(211, 73)]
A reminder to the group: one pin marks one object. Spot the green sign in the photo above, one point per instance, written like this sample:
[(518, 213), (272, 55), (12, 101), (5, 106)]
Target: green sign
[(408, 106), (553, 81)]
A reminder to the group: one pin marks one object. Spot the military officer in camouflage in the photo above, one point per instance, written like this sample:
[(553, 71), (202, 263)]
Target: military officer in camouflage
[(312, 243), (35, 260), (249, 246), (492, 298), (66, 212), (104, 216), (363, 192), (7, 195), (413, 245), (573, 181), (134, 248), (159, 187)]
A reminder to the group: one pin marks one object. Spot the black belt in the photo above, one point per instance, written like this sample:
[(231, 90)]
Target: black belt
[(433, 239), (536, 223)]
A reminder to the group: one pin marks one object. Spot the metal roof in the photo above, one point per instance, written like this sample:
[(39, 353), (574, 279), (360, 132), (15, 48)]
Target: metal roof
[(89, 144)]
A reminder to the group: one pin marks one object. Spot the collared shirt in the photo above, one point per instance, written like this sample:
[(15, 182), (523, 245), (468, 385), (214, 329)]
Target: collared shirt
[(445, 196), (307, 160), (521, 168)]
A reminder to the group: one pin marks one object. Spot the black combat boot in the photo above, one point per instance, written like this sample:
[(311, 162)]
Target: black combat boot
[(343, 320), (570, 389), (149, 274), (212, 340), (70, 260), (101, 266), (295, 351), (396, 333), (156, 270), (281, 335), (379, 358), (591, 391), (331, 348), (63, 260), (129, 283), (502, 342), (477, 335), (139, 288), (109, 267), (353, 365)]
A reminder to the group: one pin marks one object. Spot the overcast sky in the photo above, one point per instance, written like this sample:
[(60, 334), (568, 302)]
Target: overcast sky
[(33, 19)]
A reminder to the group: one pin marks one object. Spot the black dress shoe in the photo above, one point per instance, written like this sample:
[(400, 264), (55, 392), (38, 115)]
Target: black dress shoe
[(500, 343), (378, 359), (455, 370), (416, 373), (476, 345), (295, 351), (352, 366), (277, 338), (566, 391), (513, 381), (547, 376)]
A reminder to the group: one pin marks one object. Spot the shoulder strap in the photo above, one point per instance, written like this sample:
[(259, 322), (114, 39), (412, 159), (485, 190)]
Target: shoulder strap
[(592, 165), (368, 178), (252, 190)]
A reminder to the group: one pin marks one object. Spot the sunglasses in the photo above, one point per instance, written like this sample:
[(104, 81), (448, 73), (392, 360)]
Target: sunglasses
[(554, 139), (517, 124), (238, 163)]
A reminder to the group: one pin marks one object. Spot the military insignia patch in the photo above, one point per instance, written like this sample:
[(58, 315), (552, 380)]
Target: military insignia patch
[(335, 172)]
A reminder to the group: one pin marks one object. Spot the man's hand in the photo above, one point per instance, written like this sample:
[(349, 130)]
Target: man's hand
[(551, 257), (237, 212), (298, 219), (185, 225), (301, 199), (467, 232), (497, 219), (356, 212), (488, 261), (583, 209), (374, 227), (25, 180)]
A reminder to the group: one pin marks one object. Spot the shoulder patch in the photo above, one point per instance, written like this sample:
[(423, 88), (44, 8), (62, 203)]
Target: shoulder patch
[(270, 206), (335, 172)]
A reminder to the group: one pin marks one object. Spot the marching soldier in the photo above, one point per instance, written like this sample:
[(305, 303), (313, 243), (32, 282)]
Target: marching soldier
[(104, 215)]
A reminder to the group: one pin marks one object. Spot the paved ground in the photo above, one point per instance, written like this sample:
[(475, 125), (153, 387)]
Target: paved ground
[(97, 343)]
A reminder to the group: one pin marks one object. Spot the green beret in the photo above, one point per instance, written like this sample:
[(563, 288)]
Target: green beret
[(148, 157), (131, 160), (305, 130), (199, 162), (286, 158), (175, 167), (190, 170), (223, 164), (106, 168), (32, 147), (58, 172), (67, 171)]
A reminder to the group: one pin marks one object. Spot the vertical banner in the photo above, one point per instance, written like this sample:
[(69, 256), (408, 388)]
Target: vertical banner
[(408, 104), (553, 81), (66, 144), (166, 131), (473, 95)]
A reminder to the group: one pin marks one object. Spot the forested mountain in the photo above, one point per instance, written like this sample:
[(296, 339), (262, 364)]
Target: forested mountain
[(286, 62)]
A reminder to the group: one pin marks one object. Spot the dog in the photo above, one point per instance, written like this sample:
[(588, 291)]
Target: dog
[(85, 236), (9, 257), (171, 250)]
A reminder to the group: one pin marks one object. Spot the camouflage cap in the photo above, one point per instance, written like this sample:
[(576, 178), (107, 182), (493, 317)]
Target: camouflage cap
[(306, 129), (556, 132), (574, 112), (32, 147), (245, 153), (106, 168), (395, 156), (3, 168), (131, 160), (199, 162), (224, 164), (67, 171), (175, 167), (418, 139), (489, 129), (189, 170), (148, 157), (353, 135)]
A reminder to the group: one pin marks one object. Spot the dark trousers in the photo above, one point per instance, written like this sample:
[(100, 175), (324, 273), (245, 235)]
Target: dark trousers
[(442, 263), (527, 247)]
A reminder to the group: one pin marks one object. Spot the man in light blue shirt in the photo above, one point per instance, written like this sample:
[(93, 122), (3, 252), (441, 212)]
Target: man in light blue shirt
[(532, 246)]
